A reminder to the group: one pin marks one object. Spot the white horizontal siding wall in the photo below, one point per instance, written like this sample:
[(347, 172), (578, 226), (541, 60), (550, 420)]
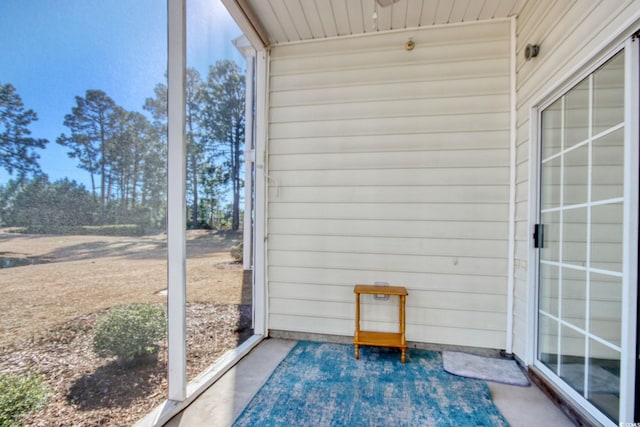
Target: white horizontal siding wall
[(391, 165), (569, 32)]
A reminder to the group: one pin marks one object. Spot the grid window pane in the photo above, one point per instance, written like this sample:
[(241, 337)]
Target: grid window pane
[(608, 95), (607, 171), (574, 237), (551, 172), (606, 237), (552, 130), (572, 359), (551, 236), (604, 379), (574, 297), (577, 114), (550, 294), (606, 308), (576, 176), (548, 342)]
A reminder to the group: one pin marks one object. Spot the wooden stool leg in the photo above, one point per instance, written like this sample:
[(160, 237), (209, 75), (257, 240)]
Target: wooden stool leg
[(403, 339), (357, 334)]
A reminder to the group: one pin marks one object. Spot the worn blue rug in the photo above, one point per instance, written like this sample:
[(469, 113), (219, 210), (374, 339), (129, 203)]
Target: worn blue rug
[(320, 384)]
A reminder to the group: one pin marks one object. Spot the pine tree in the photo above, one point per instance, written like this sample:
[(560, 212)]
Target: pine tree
[(17, 148)]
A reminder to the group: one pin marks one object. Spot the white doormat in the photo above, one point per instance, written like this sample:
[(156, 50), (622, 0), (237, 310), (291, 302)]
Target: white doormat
[(484, 368)]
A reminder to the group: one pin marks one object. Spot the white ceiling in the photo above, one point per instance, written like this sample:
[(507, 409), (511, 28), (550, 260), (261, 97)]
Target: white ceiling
[(284, 21)]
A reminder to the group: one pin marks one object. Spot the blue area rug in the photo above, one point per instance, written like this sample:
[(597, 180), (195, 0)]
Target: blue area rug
[(320, 384)]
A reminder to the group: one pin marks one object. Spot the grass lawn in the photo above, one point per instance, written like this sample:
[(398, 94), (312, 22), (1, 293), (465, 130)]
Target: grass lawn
[(49, 310)]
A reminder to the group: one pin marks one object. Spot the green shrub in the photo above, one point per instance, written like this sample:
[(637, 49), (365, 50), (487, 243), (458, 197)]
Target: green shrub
[(237, 252), (130, 332), (20, 394)]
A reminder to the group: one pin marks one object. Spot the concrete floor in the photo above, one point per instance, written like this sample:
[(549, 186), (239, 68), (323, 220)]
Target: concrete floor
[(223, 401)]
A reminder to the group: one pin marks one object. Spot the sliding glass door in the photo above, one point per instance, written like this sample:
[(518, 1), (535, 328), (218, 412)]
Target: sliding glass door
[(581, 236)]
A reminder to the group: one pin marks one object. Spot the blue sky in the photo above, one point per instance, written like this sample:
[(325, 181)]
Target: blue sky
[(54, 50)]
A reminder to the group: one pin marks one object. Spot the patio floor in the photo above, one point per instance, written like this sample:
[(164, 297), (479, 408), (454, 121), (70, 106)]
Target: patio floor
[(222, 402)]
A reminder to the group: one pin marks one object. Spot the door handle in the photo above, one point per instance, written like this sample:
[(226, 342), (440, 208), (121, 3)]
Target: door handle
[(538, 236)]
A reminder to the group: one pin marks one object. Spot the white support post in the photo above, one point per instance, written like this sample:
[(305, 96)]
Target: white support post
[(512, 192), (260, 295), (176, 214)]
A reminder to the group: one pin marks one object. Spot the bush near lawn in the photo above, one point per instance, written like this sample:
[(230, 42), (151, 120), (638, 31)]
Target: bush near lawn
[(20, 394), (237, 252), (130, 332)]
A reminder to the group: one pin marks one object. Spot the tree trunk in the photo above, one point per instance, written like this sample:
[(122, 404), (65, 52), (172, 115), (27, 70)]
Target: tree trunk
[(235, 146), (194, 180), (103, 159)]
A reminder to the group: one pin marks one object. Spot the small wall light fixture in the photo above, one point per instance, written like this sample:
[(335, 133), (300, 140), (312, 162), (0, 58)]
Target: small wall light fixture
[(409, 45), (531, 51)]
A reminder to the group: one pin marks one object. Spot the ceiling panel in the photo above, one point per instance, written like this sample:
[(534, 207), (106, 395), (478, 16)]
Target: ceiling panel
[(340, 15), (443, 12), (383, 21), (473, 11), (288, 26), (296, 20), (328, 22), (354, 12), (428, 16), (368, 7), (488, 9), (458, 11), (299, 20), (264, 13), (399, 15), (414, 8), (312, 17)]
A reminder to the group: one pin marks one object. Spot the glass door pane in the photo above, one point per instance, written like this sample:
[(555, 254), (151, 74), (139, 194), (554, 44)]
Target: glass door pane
[(581, 207), (219, 288)]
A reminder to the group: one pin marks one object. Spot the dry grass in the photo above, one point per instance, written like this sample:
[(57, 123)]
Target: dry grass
[(87, 274), (49, 311)]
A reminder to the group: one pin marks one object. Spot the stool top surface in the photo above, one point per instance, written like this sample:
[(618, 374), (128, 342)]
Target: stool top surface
[(380, 290)]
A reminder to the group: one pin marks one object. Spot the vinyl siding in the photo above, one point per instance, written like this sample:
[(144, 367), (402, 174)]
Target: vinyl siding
[(391, 165), (569, 32)]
